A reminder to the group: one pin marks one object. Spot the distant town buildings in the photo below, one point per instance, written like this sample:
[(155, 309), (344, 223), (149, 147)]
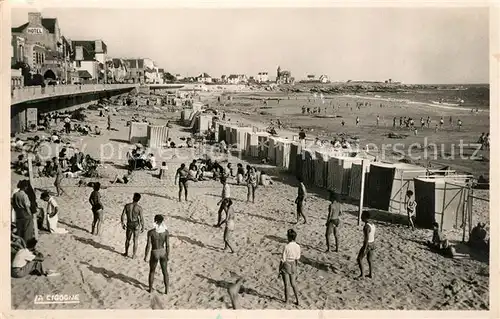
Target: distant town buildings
[(262, 77), (324, 79), (284, 77), (41, 51), (204, 78)]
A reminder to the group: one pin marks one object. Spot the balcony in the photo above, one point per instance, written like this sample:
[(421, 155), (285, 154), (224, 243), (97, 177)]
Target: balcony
[(30, 93)]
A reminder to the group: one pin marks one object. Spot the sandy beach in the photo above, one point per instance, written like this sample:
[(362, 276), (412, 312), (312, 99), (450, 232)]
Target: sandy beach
[(407, 274)]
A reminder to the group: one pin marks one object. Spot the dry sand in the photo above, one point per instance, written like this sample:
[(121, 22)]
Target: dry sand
[(407, 274)]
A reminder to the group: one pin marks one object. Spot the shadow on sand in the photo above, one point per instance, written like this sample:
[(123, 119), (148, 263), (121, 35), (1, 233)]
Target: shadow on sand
[(189, 220), (74, 226), (108, 274), (225, 285), (196, 242), (95, 244), (119, 140)]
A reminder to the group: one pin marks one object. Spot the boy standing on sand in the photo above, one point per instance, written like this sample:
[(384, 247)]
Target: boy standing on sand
[(133, 222), (368, 247), (229, 221), (97, 208), (301, 198), (411, 206), (182, 174), (226, 194), (333, 221), (57, 182), (158, 242), (289, 263)]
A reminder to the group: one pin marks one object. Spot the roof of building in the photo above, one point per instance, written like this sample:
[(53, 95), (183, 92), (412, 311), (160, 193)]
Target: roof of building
[(84, 74), (47, 23), (204, 75), (161, 70), (233, 76)]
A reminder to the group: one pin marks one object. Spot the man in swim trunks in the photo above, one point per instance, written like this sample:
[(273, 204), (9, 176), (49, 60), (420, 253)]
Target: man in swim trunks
[(158, 242), (97, 208), (301, 198), (368, 244), (333, 221), (411, 207), (133, 222), (182, 175), (229, 221)]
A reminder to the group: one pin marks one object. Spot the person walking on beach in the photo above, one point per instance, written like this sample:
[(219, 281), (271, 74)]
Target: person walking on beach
[(226, 194), (301, 198), (133, 223), (428, 121), (58, 180), (368, 247), (157, 241), (97, 209), (228, 230), (441, 122), (459, 124), (411, 206), (378, 120), (109, 122), (289, 263), (251, 184), (333, 221), (394, 122), (182, 176), (357, 120)]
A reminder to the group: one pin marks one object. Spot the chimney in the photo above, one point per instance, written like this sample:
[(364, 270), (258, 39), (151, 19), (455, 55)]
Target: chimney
[(35, 18)]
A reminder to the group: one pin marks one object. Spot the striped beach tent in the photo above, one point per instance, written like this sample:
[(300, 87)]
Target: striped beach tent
[(157, 136), (138, 133)]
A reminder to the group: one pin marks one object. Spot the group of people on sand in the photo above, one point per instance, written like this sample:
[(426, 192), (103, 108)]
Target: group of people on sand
[(27, 219)]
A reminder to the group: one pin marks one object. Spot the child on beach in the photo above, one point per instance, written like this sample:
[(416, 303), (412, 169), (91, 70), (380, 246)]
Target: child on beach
[(52, 214), (97, 209), (58, 180), (333, 221), (411, 206), (226, 194), (368, 245), (240, 172), (251, 184), (289, 263), (157, 240), (228, 230), (301, 198)]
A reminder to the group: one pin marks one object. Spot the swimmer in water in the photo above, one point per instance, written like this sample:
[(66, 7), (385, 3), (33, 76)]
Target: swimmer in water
[(158, 242)]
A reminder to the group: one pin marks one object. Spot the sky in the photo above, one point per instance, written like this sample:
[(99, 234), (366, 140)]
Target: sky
[(412, 45)]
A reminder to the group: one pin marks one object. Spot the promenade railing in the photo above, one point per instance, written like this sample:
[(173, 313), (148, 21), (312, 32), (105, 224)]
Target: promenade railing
[(20, 95)]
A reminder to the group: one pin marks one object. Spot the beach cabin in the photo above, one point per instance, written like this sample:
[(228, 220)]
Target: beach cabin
[(388, 184), (252, 144), (282, 151), (442, 200), (203, 123), (18, 122), (321, 167), (356, 176), (31, 117), (263, 144), (157, 136), (138, 133), (241, 137)]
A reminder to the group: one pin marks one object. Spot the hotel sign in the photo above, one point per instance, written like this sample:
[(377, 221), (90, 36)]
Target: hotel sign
[(35, 31)]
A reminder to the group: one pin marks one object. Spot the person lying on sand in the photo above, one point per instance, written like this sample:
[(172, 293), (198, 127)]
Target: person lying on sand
[(124, 180), (301, 198), (133, 222), (234, 290), (368, 245), (333, 221), (157, 240), (289, 263)]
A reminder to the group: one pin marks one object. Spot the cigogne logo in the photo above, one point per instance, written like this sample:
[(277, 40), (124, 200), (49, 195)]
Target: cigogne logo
[(57, 299)]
